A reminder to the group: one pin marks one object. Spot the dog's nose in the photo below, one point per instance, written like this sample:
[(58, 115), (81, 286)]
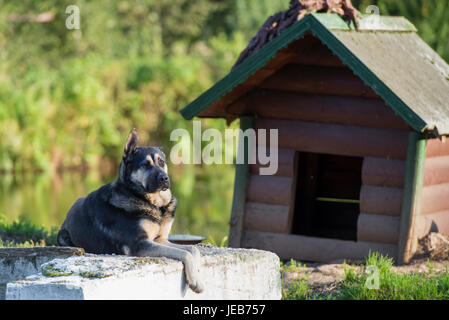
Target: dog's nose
[(164, 181)]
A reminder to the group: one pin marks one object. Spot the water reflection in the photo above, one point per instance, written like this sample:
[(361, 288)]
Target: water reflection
[(204, 200)]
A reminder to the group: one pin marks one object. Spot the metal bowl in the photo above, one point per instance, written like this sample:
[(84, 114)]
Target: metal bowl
[(185, 238)]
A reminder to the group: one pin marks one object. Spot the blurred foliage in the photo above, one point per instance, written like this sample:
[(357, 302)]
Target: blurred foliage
[(25, 234), (68, 98)]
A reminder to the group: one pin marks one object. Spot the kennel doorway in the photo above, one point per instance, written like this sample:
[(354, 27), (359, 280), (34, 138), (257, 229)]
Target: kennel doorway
[(327, 196)]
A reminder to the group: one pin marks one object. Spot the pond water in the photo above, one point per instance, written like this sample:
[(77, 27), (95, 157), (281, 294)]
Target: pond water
[(204, 199)]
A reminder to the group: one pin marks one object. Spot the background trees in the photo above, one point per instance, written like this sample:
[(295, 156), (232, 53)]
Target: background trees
[(68, 98)]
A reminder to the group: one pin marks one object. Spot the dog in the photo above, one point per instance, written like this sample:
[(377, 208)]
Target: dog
[(132, 215)]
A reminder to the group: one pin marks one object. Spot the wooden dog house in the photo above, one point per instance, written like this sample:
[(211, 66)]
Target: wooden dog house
[(362, 117)]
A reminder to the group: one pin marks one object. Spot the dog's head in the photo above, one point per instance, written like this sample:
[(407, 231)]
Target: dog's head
[(144, 170)]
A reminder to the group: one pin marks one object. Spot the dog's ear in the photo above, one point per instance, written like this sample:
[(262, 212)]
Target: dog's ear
[(131, 143)]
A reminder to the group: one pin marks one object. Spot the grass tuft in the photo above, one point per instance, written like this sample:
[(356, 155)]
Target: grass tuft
[(392, 285), (22, 233), (360, 283), (211, 241)]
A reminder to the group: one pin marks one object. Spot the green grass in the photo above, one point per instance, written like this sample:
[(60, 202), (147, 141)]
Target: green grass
[(392, 285), (211, 240), (300, 289), (293, 266), (21, 233)]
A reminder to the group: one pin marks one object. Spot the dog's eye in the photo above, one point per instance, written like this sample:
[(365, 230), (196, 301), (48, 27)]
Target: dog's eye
[(161, 163)]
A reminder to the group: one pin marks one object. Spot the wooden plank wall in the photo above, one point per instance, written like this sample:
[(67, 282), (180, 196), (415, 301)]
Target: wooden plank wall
[(384, 151), (434, 211), (325, 109), (381, 200), (313, 249), (269, 199)]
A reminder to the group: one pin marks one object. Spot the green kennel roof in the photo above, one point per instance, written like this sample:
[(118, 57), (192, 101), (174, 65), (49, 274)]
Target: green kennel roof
[(385, 52)]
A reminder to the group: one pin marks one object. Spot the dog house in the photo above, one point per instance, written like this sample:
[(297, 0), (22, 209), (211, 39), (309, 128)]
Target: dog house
[(362, 117)]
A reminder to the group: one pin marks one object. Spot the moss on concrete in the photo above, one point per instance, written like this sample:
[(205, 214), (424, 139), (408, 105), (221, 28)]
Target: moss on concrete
[(141, 260), (50, 271), (94, 275)]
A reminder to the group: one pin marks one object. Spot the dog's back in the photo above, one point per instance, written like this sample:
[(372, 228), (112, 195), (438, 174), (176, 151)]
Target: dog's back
[(80, 228), (64, 235)]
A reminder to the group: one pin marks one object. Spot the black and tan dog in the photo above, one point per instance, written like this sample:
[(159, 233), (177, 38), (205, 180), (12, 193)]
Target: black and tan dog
[(132, 215)]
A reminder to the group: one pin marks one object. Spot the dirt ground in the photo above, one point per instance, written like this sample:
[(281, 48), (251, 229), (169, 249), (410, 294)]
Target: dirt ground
[(324, 277)]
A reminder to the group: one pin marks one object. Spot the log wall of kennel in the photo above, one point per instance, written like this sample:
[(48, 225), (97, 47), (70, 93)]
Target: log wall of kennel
[(312, 122), (434, 200)]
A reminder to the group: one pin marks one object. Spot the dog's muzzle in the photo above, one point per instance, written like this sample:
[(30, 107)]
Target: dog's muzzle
[(164, 182)]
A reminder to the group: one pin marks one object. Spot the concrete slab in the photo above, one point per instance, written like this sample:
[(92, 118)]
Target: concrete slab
[(227, 274), (18, 263)]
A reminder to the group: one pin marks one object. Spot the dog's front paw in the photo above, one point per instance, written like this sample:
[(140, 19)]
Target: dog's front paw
[(193, 274), (193, 280), (196, 286)]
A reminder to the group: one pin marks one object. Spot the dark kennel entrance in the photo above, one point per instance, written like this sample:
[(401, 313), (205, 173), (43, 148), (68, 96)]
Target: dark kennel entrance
[(327, 196)]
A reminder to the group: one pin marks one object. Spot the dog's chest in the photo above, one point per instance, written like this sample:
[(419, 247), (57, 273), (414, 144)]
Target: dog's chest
[(159, 198), (155, 229)]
